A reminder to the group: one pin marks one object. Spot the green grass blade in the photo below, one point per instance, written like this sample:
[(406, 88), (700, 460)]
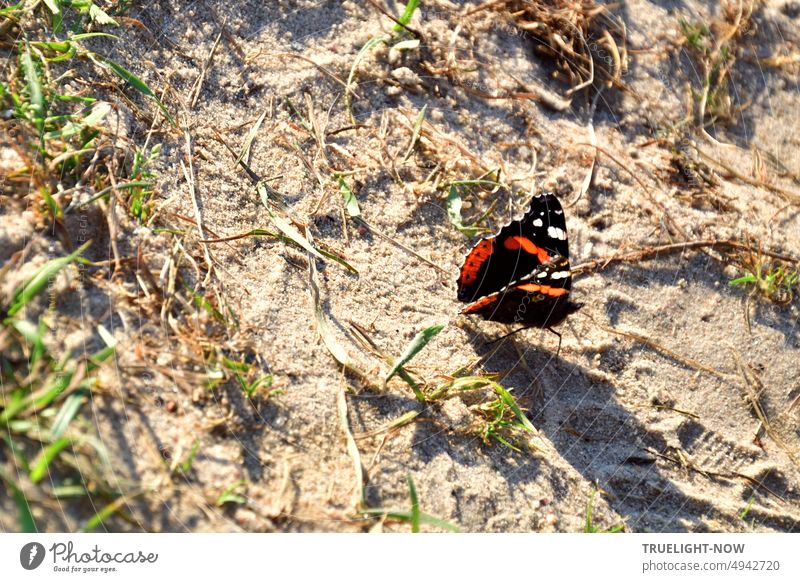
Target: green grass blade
[(509, 401), (11, 9), (415, 131), (27, 291), (59, 384), (46, 457), (26, 522), (107, 511), (420, 341), (742, 280), (589, 528), (230, 496), (454, 205), (407, 15), (35, 91), (140, 86), (67, 413), (350, 200), (338, 259), (83, 35), (412, 494), (405, 516)]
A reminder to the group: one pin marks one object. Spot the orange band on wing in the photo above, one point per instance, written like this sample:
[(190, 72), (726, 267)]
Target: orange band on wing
[(544, 289), (514, 243), (481, 303), (479, 254)]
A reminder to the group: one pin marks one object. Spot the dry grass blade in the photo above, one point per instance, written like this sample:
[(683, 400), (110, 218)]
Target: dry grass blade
[(399, 422), (336, 350), (352, 450), (399, 245), (188, 173), (415, 131), (198, 85), (251, 135)]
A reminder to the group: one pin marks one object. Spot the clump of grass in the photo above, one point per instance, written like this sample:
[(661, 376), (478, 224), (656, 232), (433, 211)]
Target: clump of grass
[(60, 132), (770, 279), (498, 417), (584, 39), (46, 440), (713, 47), (454, 202), (69, 158), (249, 377)]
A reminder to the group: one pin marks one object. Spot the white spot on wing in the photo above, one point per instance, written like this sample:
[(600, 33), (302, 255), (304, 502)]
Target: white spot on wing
[(541, 274), (556, 232), (560, 275), (538, 222)]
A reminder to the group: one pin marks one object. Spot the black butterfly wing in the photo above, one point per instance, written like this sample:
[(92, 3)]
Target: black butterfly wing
[(540, 299), (516, 251)]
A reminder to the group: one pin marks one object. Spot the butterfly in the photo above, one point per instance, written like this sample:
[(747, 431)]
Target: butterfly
[(522, 273)]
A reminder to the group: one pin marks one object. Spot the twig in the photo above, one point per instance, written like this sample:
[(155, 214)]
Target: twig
[(675, 356), (710, 474), (647, 252), (787, 195), (751, 379), (399, 245)]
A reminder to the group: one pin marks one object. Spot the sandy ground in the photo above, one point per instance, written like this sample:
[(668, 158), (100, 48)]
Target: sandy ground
[(667, 431)]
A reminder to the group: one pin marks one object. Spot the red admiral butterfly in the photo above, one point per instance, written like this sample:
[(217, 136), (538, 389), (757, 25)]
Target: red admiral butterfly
[(521, 274)]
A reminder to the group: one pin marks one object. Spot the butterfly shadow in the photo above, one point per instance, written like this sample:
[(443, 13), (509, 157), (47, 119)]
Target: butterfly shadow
[(580, 415)]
